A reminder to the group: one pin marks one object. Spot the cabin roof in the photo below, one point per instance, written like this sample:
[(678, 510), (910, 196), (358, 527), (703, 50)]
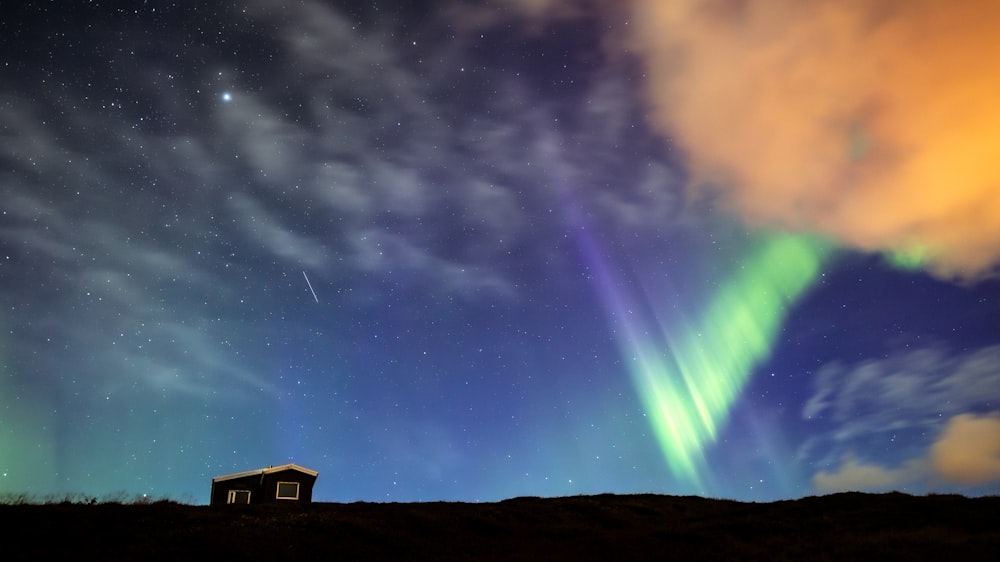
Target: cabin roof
[(263, 471)]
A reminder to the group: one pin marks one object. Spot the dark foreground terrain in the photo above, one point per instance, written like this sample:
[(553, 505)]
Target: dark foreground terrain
[(607, 527)]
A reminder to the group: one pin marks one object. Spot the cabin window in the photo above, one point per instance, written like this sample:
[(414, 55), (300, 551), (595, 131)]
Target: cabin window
[(288, 491), (238, 496)]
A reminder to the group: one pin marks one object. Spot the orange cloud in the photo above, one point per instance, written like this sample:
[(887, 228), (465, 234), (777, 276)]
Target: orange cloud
[(854, 476), (968, 451), (875, 123)]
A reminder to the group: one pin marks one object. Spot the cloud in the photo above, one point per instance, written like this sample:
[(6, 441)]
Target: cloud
[(544, 8), (870, 122), (859, 476), (533, 13), (906, 386), (968, 451), (899, 398), (279, 239), (167, 216), (339, 187), (273, 146), (381, 251)]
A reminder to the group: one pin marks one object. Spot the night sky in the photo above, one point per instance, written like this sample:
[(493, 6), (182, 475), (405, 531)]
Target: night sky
[(449, 250)]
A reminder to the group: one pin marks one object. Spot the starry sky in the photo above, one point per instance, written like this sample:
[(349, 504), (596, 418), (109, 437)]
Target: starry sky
[(470, 250)]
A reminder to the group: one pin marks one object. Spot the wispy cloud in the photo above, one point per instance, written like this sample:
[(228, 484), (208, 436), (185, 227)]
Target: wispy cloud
[(926, 398), (965, 452), (266, 229), (381, 251), (533, 14), (910, 388), (151, 210), (273, 147)]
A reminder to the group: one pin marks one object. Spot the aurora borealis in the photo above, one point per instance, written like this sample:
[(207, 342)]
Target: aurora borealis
[(688, 392), (688, 373), (470, 250)]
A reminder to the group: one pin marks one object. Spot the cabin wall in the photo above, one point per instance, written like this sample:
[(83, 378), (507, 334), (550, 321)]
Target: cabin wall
[(305, 484), (220, 490), (264, 489)]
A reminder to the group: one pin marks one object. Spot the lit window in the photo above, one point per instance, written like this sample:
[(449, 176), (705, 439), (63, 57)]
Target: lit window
[(238, 496), (288, 491)]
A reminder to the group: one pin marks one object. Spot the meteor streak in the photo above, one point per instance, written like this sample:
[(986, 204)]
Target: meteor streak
[(310, 287)]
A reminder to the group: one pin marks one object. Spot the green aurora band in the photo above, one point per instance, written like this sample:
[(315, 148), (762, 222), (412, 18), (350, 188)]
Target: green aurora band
[(690, 379), (910, 259)]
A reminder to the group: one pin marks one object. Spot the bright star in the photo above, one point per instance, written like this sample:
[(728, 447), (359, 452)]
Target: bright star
[(226, 96)]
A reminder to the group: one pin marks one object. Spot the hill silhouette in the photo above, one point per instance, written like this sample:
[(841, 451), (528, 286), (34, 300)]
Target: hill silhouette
[(604, 527)]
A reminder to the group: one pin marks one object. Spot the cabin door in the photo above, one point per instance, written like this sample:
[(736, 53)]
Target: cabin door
[(238, 496)]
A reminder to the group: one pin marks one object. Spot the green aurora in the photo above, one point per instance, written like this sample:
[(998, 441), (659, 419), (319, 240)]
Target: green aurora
[(689, 381)]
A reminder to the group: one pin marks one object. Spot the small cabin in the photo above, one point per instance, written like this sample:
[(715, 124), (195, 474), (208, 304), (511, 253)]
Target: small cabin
[(274, 484)]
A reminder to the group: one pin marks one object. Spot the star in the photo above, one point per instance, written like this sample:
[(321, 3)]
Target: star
[(227, 97)]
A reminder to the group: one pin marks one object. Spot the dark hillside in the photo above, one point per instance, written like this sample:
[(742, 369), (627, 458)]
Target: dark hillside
[(632, 527)]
